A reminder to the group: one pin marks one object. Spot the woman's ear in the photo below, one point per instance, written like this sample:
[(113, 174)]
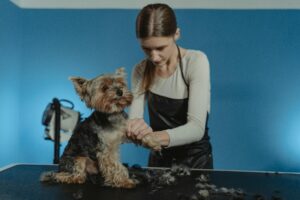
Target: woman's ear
[(177, 34)]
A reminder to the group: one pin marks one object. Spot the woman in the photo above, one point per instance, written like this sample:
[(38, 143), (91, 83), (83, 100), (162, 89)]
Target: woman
[(175, 83)]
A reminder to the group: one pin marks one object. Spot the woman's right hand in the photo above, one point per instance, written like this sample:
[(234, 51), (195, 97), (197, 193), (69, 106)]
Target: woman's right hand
[(137, 129)]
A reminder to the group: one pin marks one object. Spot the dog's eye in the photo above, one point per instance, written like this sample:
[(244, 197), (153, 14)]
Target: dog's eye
[(104, 88)]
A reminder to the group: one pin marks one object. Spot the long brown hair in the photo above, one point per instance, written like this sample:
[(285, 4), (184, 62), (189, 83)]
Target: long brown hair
[(154, 20)]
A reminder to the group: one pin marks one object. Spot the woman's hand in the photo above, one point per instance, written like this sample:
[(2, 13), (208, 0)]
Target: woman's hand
[(137, 129)]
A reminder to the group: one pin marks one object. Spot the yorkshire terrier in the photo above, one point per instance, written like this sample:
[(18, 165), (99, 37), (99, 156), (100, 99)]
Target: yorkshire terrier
[(94, 146)]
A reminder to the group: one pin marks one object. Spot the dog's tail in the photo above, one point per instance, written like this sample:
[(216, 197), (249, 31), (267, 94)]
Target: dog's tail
[(48, 177)]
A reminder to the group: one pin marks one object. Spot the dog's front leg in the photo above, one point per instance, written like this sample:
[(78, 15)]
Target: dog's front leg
[(112, 170)]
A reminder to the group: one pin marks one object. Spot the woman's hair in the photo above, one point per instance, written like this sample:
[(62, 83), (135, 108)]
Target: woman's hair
[(154, 20)]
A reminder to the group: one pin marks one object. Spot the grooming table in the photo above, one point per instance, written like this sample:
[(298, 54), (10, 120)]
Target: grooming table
[(21, 182)]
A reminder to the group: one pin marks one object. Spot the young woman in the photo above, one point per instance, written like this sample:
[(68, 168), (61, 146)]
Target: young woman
[(175, 83)]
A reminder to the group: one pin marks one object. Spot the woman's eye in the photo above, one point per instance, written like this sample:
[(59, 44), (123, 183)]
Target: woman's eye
[(146, 50)]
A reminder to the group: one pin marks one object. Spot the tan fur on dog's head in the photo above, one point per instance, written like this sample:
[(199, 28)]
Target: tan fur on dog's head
[(106, 93)]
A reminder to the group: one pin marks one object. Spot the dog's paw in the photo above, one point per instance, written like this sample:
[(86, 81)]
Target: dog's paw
[(47, 176), (126, 183), (131, 183), (150, 141)]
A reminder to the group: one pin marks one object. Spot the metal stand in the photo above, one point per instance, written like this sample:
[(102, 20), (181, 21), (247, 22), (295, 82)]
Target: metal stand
[(56, 105)]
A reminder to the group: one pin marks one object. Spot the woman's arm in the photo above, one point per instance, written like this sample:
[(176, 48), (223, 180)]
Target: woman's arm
[(198, 77), (136, 126)]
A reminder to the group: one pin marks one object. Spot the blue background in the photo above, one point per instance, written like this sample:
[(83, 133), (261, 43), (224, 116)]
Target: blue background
[(255, 77)]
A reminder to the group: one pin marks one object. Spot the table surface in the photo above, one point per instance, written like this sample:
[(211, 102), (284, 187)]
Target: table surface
[(21, 181)]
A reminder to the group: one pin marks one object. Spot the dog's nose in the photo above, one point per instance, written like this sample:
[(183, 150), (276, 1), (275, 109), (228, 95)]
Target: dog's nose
[(119, 92)]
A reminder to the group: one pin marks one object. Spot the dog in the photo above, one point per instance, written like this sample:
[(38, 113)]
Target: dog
[(94, 145)]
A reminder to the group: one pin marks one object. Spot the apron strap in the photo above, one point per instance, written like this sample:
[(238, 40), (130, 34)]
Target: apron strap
[(181, 68)]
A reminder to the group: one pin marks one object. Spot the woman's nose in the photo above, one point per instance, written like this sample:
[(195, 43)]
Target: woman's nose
[(154, 56)]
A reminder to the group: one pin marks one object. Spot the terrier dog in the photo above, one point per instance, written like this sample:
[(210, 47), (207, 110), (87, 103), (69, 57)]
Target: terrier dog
[(94, 145)]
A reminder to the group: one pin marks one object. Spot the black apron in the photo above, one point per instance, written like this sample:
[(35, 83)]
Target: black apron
[(167, 113)]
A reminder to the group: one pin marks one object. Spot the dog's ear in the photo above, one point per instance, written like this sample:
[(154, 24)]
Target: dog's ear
[(80, 85), (121, 71)]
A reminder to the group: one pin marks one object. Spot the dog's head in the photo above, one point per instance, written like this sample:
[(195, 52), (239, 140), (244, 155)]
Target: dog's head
[(106, 93)]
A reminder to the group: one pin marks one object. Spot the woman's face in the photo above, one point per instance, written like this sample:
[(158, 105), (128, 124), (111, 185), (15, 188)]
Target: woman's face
[(159, 50)]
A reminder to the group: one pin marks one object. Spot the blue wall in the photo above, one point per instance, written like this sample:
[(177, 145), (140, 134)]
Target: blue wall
[(254, 72), (10, 58)]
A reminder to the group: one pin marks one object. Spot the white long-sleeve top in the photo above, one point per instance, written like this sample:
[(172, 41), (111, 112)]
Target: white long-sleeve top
[(197, 74)]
